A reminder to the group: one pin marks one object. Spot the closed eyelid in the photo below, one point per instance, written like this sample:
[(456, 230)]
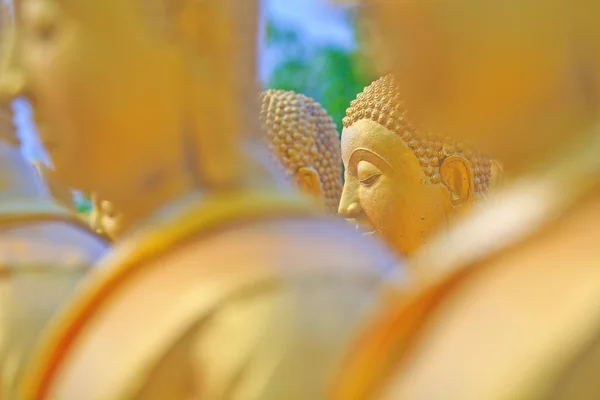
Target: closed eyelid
[(371, 180), (368, 171), (370, 177)]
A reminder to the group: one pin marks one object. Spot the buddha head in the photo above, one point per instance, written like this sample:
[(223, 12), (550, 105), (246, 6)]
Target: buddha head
[(400, 183), (508, 75), (304, 141), (157, 104)]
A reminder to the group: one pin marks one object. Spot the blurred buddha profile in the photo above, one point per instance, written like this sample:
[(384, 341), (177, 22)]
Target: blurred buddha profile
[(508, 305), (219, 285), (305, 143), (400, 183)]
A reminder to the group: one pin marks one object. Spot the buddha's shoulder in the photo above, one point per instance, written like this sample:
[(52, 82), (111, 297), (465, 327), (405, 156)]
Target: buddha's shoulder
[(296, 244), (527, 298)]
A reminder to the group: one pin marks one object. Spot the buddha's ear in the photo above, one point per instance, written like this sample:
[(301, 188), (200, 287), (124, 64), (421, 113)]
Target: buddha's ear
[(309, 182), (457, 177)]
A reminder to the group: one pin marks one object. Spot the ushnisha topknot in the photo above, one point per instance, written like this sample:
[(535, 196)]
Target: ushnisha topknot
[(301, 134), (380, 102)]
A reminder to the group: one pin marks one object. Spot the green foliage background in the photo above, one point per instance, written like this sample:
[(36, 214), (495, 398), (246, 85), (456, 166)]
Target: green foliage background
[(329, 74)]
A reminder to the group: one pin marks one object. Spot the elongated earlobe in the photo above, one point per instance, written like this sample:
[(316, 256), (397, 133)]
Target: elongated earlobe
[(457, 177), (309, 182)]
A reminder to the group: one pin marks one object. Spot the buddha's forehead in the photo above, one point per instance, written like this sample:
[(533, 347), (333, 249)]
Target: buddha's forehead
[(367, 135)]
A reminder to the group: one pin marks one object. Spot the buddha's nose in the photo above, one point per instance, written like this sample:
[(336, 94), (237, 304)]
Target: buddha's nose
[(352, 211), (349, 204)]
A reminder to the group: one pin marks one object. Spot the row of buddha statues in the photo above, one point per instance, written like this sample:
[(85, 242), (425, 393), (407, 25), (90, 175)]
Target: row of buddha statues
[(441, 246), (387, 163)]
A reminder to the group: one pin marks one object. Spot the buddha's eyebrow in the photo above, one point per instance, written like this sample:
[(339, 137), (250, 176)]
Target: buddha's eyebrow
[(361, 151)]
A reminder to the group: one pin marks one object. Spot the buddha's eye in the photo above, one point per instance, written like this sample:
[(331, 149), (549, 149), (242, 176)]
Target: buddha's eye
[(370, 181), (368, 174)]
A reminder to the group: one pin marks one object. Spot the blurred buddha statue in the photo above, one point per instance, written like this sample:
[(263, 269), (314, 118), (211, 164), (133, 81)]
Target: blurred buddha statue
[(304, 142), (508, 304), (219, 285), (402, 184), (103, 218), (44, 252)]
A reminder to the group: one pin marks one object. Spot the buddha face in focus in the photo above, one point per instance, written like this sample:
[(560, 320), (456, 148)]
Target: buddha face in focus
[(476, 69), (95, 90), (304, 142), (400, 184)]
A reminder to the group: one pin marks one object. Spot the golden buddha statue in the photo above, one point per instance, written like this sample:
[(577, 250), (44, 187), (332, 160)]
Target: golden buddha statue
[(220, 285), (304, 141), (507, 305), (390, 163), (44, 251)]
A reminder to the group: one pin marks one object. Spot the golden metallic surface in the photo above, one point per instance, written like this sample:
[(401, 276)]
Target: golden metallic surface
[(402, 183), (505, 90), (507, 305), (159, 115), (134, 269), (304, 141)]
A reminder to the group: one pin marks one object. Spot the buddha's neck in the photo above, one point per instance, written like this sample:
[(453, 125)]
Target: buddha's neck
[(18, 178), (138, 202)]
